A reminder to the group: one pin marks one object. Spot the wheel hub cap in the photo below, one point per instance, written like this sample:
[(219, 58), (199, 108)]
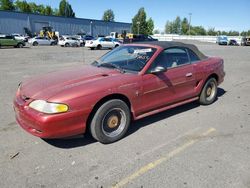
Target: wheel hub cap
[(209, 91), (113, 122)]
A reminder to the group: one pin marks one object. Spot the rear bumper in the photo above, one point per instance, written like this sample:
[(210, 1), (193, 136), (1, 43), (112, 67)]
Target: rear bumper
[(49, 126)]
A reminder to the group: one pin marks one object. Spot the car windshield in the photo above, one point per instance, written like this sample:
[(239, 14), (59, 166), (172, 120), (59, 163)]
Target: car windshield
[(223, 38), (126, 58)]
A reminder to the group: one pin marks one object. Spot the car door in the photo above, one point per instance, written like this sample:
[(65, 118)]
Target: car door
[(10, 41), (39, 40), (46, 41), (176, 84), (105, 43), (4, 41), (110, 43), (69, 40)]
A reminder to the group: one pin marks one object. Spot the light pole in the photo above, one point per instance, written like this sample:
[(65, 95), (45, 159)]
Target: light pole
[(91, 28), (138, 27), (189, 25)]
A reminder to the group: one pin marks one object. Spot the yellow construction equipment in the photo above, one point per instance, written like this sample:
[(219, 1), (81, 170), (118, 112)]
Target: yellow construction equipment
[(48, 32)]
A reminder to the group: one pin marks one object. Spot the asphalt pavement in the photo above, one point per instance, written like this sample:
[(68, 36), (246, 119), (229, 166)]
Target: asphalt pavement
[(188, 146)]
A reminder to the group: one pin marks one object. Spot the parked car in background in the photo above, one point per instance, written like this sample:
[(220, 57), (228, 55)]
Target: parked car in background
[(222, 40), (41, 41), (8, 40), (128, 83), (102, 42), (83, 38), (20, 37), (139, 38), (66, 41), (88, 37), (233, 42), (245, 41)]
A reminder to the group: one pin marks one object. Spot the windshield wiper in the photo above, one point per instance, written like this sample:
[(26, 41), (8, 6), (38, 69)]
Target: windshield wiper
[(112, 66)]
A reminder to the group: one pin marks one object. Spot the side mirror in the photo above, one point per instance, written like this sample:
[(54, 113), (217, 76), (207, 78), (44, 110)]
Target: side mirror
[(157, 70)]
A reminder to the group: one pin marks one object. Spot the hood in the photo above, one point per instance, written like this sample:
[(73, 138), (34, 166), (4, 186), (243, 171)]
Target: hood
[(46, 86)]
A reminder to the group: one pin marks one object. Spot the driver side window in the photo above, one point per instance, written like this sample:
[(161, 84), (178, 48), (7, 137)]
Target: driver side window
[(171, 58)]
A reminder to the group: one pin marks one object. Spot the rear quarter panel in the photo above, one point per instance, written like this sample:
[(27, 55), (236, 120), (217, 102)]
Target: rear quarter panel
[(205, 68)]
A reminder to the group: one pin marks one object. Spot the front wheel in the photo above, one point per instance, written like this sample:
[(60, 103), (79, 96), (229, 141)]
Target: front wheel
[(209, 92), (20, 45), (111, 121)]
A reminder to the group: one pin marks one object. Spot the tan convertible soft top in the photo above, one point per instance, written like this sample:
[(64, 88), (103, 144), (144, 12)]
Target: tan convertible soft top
[(170, 44)]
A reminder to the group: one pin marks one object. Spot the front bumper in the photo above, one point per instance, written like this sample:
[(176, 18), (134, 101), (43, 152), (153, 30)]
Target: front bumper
[(49, 125)]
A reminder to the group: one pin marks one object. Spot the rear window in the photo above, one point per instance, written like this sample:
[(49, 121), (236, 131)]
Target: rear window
[(193, 57)]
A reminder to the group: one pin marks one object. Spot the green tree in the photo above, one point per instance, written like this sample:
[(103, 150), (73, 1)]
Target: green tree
[(245, 33), (23, 6), (6, 5), (224, 33), (150, 26), (65, 9), (157, 31), (177, 25), (233, 33), (139, 23), (108, 16), (48, 10), (38, 9), (211, 32), (169, 27), (198, 30), (184, 26)]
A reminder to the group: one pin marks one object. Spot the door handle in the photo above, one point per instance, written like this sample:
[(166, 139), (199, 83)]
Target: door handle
[(189, 74)]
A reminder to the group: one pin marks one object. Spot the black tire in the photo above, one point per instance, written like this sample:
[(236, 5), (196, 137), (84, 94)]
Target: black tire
[(116, 45), (209, 92), (52, 44), (35, 43), (66, 45), (20, 45), (99, 47), (111, 121), (92, 48), (62, 45)]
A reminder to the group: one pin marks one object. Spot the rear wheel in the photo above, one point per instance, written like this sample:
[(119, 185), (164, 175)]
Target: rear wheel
[(66, 45), (35, 43), (116, 45), (99, 47), (209, 92), (111, 121)]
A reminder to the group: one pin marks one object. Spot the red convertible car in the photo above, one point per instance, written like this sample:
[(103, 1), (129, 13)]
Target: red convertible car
[(128, 83)]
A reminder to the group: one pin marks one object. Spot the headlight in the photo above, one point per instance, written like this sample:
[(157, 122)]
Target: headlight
[(48, 107)]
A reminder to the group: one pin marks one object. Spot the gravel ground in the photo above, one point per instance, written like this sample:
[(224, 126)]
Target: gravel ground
[(189, 146)]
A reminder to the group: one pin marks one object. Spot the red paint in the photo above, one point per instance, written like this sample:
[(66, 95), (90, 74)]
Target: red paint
[(83, 87)]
